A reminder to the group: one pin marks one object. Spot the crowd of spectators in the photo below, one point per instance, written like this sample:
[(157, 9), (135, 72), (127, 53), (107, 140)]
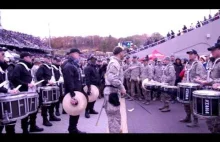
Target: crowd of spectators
[(171, 34), (21, 40)]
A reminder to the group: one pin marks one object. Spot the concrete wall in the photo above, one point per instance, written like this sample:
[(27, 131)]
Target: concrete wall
[(195, 39)]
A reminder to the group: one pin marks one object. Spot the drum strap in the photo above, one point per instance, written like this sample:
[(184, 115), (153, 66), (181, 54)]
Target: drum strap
[(47, 66), (55, 67), (25, 66)]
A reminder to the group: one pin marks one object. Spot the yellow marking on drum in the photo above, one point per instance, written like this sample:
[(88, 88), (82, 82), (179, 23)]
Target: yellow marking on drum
[(124, 126)]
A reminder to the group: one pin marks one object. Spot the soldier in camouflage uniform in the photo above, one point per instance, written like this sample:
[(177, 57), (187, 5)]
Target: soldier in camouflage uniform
[(127, 75), (169, 77), (135, 79), (157, 77), (146, 73), (113, 88), (214, 123), (197, 70)]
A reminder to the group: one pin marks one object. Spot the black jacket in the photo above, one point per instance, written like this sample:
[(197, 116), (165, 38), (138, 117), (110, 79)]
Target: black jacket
[(44, 73), (21, 76), (72, 77), (102, 72), (92, 76), (2, 77), (178, 69), (56, 72)]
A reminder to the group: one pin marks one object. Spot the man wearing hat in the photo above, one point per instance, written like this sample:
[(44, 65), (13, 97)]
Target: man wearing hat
[(213, 123), (73, 82), (9, 128), (135, 79), (92, 77), (197, 71), (146, 73), (114, 87), (22, 76), (169, 77), (45, 73), (127, 75)]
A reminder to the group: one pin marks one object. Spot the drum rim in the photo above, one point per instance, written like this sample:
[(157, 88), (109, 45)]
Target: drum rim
[(13, 97), (170, 86), (184, 102), (194, 93), (202, 117), (49, 102), (185, 84), (17, 118)]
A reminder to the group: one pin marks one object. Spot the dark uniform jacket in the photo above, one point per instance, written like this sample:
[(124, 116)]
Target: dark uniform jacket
[(44, 73), (56, 72), (72, 77), (92, 76), (3, 65)]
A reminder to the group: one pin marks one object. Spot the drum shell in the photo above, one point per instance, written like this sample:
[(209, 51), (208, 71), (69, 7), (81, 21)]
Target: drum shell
[(206, 106), (13, 107), (170, 90), (184, 93), (49, 95), (33, 102)]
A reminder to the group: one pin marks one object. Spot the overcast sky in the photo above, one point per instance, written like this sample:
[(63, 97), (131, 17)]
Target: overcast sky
[(118, 23)]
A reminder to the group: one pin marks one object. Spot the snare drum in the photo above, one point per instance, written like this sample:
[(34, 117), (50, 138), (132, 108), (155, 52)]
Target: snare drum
[(206, 103), (33, 102), (150, 86), (49, 95), (13, 107), (170, 90), (184, 93)]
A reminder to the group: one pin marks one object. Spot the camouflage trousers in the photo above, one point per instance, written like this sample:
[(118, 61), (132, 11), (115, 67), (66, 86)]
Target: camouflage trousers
[(213, 124), (147, 94), (137, 85), (189, 110), (114, 117), (128, 84), (166, 99)]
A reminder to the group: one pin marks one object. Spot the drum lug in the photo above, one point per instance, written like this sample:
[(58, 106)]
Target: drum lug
[(6, 117)]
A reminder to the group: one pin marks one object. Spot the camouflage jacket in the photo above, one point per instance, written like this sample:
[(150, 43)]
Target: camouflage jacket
[(169, 74), (197, 70), (157, 73), (146, 72), (114, 76), (215, 72), (128, 73), (135, 73)]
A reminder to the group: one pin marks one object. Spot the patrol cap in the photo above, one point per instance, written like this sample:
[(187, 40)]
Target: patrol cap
[(192, 52), (167, 58), (25, 54), (215, 46), (48, 56), (74, 50), (117, 50)]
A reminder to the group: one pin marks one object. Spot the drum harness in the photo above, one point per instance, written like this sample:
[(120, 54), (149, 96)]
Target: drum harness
[(188, 70)]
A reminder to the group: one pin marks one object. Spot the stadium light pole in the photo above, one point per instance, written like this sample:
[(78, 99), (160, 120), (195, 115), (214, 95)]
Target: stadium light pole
[(49, 35)]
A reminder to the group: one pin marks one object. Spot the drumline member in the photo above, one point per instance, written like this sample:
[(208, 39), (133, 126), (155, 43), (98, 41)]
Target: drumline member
[(73, 82), (9, 128), (114, 87), (56, 68), (92, 77), (37, 62), (135, 79), (214, 80), (45, 73), (146, 73), (22, 76), (197, 70), (158, 72), (169, 76)]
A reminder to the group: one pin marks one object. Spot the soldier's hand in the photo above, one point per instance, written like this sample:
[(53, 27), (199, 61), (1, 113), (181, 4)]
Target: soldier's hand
[(123, 91), (13, 91), (30, 85), (73, 101), (216, 86)]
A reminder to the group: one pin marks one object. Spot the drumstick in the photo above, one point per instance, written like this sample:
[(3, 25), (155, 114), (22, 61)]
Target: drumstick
[(38, 82), (18, 87)]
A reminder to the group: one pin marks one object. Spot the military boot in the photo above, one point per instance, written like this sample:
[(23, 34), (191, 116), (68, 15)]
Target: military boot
[(46, 122), (161, 108), (194, 123), (187, 119), (166, 109)]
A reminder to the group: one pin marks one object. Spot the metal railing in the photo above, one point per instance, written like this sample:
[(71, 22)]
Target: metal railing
[(164, 39), (192, 46)]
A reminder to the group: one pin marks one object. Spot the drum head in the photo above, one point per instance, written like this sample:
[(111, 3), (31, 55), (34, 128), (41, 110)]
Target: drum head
[(188, 84), (206, 93), (144, 82), (79, 108), (2, 95), (94, 93)]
